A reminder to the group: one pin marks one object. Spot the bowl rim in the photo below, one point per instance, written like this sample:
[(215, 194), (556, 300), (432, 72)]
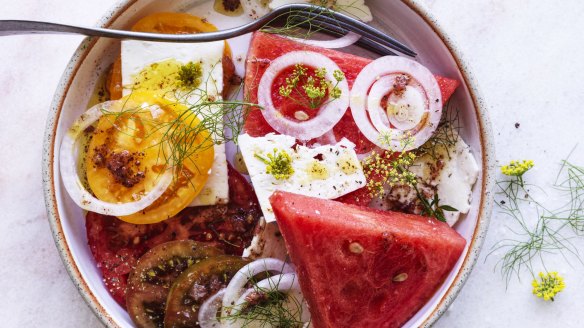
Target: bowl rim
[(485, 134)]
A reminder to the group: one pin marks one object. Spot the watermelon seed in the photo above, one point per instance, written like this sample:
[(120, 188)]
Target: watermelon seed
[(400, 277), (301, 115), (356, 248)]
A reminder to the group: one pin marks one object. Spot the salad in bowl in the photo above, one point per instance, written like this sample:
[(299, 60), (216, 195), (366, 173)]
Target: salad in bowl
[(270, 180)]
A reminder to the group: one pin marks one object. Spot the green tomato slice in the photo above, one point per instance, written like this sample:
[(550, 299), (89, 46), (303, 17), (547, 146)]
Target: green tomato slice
[(151, 279), (195, 285)]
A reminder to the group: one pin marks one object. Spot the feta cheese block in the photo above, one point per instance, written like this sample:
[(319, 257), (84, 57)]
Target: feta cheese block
[(449, 171), (327, 171), (160, 61), (455, 181)]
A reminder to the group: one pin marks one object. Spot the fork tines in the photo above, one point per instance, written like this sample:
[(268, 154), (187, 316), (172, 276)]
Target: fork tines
[(336, 31), (333, 21)]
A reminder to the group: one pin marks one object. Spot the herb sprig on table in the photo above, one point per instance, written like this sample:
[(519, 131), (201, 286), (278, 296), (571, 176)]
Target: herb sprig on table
[(553, 230)]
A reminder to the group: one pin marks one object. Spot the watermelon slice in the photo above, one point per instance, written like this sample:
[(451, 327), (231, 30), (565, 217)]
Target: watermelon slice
[(360, 267), (266, 47)]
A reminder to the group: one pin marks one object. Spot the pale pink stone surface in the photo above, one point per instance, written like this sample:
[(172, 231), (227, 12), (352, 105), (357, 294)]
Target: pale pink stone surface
[(525, 56)]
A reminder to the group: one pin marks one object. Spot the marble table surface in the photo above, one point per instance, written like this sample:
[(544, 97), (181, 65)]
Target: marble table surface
[(526, 55)]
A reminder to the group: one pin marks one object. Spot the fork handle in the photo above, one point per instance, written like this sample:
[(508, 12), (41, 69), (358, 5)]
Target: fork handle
[(19, 27)]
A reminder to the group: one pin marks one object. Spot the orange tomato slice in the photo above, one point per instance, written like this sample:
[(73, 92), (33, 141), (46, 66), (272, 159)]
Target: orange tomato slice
[(141, 136)]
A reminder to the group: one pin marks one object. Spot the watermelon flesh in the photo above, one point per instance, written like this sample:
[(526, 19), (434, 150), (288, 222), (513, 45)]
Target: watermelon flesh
[(266, 47), (360, 267)]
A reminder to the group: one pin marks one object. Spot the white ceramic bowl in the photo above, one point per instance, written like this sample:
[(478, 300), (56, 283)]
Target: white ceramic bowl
[(407, 20)]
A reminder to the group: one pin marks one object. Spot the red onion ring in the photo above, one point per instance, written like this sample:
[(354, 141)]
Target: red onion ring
[(367, 115), (328, 115)]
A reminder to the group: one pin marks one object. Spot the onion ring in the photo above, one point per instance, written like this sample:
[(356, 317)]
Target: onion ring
[(328, 115), (286, 283), (237, 283), (208, 310), (369, 119), (342, 42), (68, 154), (283, 282)]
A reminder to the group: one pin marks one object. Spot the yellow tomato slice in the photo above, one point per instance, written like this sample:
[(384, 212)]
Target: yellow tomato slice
[(135, 142), (169, 23), (176, 23), (173, 23)]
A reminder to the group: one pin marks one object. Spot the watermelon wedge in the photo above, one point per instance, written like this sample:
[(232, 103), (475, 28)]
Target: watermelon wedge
[(360, 267), (266, 47)]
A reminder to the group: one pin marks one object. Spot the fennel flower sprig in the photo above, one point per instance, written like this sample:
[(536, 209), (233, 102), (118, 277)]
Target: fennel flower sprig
[(517, 169), (539, 231), (278, 164), (190, 75), (548, 286), (389, 168), (392, 168), (315, 88)]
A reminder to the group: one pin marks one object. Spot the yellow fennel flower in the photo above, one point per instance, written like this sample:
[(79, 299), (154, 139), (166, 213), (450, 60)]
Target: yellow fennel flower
[(517, 168), (278, 164), (548, 285), (389, 168)]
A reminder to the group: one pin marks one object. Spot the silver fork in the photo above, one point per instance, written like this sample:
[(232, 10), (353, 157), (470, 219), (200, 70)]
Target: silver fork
[(322, 18)]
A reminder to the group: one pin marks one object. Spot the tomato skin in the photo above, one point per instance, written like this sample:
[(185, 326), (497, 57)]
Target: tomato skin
[(117, 245), (114, 80), (173, 23)]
